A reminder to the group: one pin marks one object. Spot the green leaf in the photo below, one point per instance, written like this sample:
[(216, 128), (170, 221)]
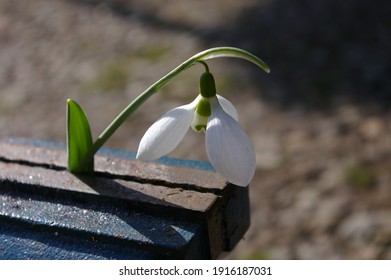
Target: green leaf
[(79, 139), (232, 52)]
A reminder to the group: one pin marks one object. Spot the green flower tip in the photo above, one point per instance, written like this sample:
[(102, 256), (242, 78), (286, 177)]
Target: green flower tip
[(267, 69)]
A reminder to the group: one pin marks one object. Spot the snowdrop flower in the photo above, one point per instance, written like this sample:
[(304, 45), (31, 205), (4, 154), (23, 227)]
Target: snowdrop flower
[(228, 147)]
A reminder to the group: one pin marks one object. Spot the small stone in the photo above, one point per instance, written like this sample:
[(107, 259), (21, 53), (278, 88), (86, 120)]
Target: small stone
[(371, 128), (329, 213), (268, 151), (359, 228)]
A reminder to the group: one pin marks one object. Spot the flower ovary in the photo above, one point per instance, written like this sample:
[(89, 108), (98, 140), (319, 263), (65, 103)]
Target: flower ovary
[(207, 85)]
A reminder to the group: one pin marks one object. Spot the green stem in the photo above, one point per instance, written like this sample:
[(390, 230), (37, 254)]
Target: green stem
[(205, 65), (200, 57)]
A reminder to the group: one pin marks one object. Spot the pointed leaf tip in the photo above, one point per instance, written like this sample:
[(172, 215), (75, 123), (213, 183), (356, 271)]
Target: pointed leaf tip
[(79, 139)]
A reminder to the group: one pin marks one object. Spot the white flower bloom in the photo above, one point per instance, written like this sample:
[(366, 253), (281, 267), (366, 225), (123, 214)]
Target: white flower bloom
[(228, 147), (166, 133)]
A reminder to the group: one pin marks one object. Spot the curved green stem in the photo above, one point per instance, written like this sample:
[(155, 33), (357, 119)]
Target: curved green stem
[(204, 64), (200, 57)]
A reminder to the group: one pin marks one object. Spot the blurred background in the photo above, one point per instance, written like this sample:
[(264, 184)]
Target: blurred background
[(320, 121)]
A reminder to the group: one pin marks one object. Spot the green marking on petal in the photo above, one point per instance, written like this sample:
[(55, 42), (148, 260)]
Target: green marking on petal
[(200, 128), (203, 107)]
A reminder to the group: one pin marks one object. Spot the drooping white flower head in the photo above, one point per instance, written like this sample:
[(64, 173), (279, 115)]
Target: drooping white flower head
[(228, 147)]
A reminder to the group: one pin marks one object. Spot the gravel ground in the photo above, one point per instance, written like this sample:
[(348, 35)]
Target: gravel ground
[(320, 122)]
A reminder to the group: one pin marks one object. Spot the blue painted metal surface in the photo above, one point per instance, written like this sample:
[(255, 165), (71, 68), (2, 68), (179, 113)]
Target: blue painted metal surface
[(48, 213), (47, 225)]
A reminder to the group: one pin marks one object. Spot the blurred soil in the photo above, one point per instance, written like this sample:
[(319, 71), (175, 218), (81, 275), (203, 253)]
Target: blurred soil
[(320, 121)]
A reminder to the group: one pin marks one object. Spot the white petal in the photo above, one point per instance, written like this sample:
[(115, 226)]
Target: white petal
[(229, 149), (166, 133), (228, 107)]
